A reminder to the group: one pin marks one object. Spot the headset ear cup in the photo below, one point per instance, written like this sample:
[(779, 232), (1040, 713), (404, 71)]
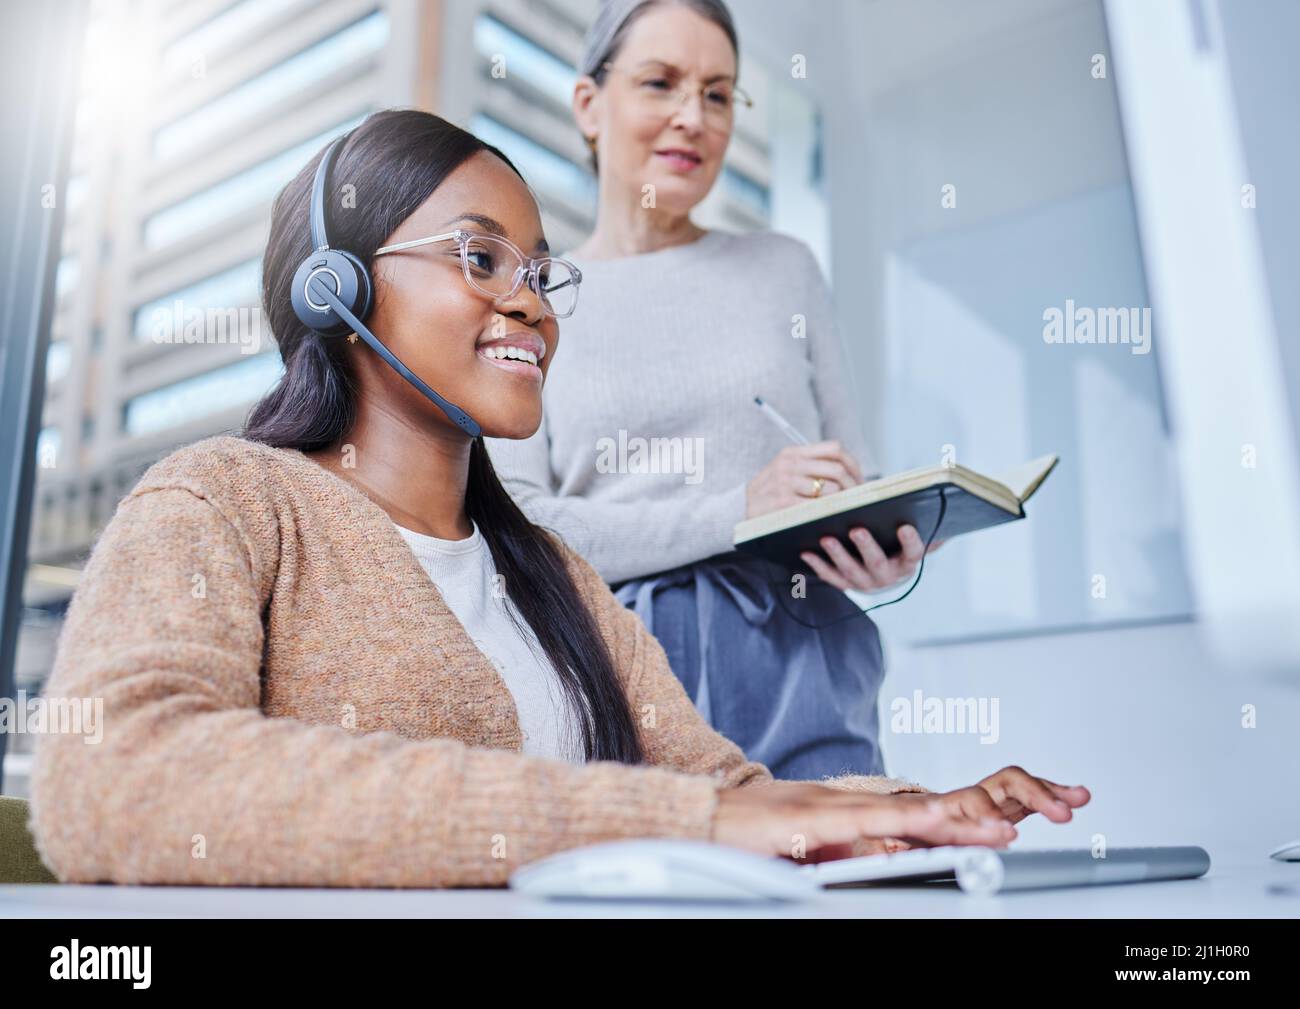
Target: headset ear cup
[(348, 279), (365, 289)]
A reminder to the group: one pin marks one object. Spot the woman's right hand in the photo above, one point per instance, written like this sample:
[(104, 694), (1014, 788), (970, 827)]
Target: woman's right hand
[(816, 822), (791, 476)]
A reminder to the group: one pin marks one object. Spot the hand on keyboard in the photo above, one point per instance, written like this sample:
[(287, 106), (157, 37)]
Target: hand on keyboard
[(1015, 793), (1010, 794), (801, 820)]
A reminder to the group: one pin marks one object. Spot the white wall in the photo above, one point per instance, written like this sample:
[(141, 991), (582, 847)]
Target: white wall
[(872, 65)]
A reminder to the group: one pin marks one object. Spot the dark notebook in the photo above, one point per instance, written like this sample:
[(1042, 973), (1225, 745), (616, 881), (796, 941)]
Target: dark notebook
[(969, 501)]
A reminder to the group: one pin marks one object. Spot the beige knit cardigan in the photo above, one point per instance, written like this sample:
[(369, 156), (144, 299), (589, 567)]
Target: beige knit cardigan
[(287, 700)]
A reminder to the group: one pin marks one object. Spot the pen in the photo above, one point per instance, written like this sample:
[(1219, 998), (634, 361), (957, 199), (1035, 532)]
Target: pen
[(786, 427), (790, 430)]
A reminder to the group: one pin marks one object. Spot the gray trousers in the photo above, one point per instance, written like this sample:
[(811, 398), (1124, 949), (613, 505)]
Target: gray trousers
[(801, 701)]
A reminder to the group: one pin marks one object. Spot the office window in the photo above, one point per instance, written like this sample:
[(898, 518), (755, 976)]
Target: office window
[(983, 234), (66, 276), (232, 24), (173, 405), (233, 288), (57, 361), (539, 67), (752, 195), (77, 186), (293, 75), (542, 167), (48, 445), (238, 192)]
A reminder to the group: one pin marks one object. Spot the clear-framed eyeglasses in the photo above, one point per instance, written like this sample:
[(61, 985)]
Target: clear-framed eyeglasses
[(498, 268), (655, 90)]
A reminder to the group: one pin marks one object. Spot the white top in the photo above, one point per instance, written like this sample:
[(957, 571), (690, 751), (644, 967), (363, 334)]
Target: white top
[(466, 577), (650, 432)]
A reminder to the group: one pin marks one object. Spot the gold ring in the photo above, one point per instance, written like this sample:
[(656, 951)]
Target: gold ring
[(817, 486)]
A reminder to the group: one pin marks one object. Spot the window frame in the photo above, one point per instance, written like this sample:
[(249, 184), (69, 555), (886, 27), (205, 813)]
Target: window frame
[(40, 55)]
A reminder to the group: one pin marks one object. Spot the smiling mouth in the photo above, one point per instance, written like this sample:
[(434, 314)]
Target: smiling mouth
[(508, 357), (680, 158)]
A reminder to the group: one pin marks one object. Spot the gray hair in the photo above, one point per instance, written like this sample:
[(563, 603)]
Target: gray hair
[(605, 37)]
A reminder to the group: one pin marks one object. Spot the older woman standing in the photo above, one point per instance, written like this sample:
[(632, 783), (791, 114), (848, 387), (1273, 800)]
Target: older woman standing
[(652, 449)]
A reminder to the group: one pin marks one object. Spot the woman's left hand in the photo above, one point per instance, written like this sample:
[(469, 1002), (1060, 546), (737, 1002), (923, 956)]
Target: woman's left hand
[(871, 570), (1013, 794), (1010, 794)]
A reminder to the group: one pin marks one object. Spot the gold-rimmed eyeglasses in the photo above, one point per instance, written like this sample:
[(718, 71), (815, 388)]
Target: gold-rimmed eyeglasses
[(656, 89), (498, 268)]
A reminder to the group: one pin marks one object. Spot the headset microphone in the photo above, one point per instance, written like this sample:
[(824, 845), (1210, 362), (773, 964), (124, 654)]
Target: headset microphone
[(332, 294)]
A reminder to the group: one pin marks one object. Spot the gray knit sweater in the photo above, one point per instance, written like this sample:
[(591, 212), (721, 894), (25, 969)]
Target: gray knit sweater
[(650, 432)]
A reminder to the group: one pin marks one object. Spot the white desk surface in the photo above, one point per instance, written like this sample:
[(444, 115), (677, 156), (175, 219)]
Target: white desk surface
[(1258, 888)]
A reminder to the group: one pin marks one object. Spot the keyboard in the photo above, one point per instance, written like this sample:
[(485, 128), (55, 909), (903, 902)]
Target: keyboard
[(988, 870)]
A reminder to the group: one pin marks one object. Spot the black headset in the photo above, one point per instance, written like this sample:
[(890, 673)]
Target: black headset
[(332, 293)]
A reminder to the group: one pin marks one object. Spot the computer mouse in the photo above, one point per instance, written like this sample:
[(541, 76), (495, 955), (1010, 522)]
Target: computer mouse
[(1287, 853), (663, 870)]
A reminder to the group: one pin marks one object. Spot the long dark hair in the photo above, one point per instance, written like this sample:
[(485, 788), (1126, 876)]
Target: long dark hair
[(396, 159)]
